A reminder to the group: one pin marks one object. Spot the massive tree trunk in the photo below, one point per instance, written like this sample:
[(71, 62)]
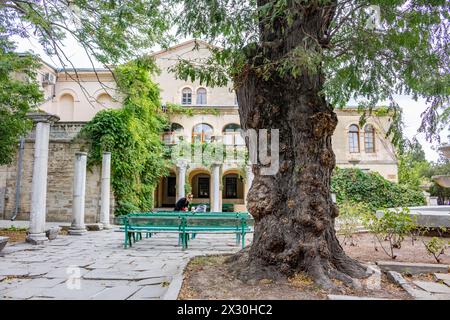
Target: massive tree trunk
[(293, 211)]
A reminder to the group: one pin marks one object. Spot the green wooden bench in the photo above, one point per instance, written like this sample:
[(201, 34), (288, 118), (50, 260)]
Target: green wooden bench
[(227, 207), (186, 224)]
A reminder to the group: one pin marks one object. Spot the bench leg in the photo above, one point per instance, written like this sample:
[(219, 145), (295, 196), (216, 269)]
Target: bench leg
[(125, 243), (238, 238), (243, 240), (130, 238), (193, 236), (185, 240)]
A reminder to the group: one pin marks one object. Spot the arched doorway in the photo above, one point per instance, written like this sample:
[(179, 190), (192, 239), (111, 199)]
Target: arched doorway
[(165, 193), (233, 188), (200, 182)]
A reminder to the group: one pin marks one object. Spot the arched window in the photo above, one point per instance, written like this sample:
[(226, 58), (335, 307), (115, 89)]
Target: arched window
[(104, 100), (186, 96), (232, 134), (201, 96), (66, 107), (173, 134), (369, 139), (353, 138), (202, 132)]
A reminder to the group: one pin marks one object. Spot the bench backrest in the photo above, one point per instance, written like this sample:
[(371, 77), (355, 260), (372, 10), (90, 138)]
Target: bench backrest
[(215, 221), (200, 219), (173, 220)]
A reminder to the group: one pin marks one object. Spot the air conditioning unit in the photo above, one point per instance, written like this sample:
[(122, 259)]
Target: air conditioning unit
[(49, 78)]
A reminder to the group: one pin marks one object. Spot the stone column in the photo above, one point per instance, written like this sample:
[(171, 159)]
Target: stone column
[(105, 191), (79, 187), (181, 179), (215, 174), (36, 234)]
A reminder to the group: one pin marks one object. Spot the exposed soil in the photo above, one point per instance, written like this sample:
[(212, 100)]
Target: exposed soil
[(14, 235), (365, 250), (208, 277), (17, 235)]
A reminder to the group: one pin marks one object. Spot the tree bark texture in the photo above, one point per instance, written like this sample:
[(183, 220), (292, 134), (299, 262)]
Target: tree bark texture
[(293, 210)]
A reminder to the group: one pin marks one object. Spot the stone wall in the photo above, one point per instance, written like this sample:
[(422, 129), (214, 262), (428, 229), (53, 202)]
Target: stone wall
[(60, 179)]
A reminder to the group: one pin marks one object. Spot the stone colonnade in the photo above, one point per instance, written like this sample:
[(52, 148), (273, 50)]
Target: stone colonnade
[(37, 230), (216, 171)]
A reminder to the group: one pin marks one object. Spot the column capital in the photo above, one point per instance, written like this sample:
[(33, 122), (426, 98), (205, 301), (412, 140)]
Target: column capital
[(106, 152), (43, 117), (216, 164), (80, 153), (182, 164)]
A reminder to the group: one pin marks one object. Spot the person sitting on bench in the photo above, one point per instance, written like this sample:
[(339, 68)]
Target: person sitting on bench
[(183, 203)]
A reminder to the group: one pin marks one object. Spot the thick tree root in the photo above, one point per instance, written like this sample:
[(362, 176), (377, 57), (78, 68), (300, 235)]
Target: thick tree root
[(251, 270)]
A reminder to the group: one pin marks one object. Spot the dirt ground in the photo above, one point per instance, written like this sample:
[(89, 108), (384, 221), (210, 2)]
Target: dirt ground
[(14, 235), (365, 250), (208, 277)]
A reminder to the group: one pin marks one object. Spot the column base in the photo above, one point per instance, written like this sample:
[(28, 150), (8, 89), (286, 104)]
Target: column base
[(77, 231), (36, 238), (106, 226)]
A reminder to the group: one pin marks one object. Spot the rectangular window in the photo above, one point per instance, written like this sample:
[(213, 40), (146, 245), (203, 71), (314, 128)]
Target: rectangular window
[(171, 186), (368, 143), (187, 98), (353, 142), (203, 187), (230, 188)]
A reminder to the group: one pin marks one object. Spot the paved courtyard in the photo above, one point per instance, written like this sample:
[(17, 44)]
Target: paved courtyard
[(95, 266)]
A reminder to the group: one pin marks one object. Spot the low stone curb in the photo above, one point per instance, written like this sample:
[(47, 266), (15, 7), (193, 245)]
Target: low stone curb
[(412, 268), (397, 278), (345, 297)]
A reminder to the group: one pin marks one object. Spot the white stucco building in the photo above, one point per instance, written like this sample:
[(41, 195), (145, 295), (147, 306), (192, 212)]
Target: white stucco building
[(214, 117)]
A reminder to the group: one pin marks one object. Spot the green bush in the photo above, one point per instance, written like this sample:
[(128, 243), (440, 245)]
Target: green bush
[(392, 227), (350, 218), (354, 185)]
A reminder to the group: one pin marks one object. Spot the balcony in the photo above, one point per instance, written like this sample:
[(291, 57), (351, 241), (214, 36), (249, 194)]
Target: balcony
[(234, 150)]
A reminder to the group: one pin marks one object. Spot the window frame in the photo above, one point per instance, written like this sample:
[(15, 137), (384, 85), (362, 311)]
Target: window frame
[(227, 186), (203, 134), (186, 101), (205, 94), (371, 142), (351, 139), (201, 182)]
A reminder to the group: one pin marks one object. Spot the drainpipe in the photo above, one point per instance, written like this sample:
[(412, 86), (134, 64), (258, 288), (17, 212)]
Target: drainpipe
[(18, 177)]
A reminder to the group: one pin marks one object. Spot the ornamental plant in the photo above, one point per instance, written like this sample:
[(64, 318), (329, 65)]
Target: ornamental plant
[(391, 227), (351, 216)]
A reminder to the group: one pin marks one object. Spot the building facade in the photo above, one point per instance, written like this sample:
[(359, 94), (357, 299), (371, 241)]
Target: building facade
[(214, 117)]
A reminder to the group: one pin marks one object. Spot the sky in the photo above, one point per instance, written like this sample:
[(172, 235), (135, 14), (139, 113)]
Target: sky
[(412, 109)]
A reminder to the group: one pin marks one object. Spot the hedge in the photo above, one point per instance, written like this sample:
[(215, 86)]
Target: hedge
[(355, 185)]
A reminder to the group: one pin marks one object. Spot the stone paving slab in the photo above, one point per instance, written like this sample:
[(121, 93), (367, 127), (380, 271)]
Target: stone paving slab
[(146, 292), (152, 266), (23, 292), (116, 293), (432, 287), (63, 292), (442, 276), (412, 268)]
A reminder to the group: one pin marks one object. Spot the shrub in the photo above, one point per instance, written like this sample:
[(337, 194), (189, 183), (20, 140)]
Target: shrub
[(354, 185), (436, 247), (350, 218), (392, 227)]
